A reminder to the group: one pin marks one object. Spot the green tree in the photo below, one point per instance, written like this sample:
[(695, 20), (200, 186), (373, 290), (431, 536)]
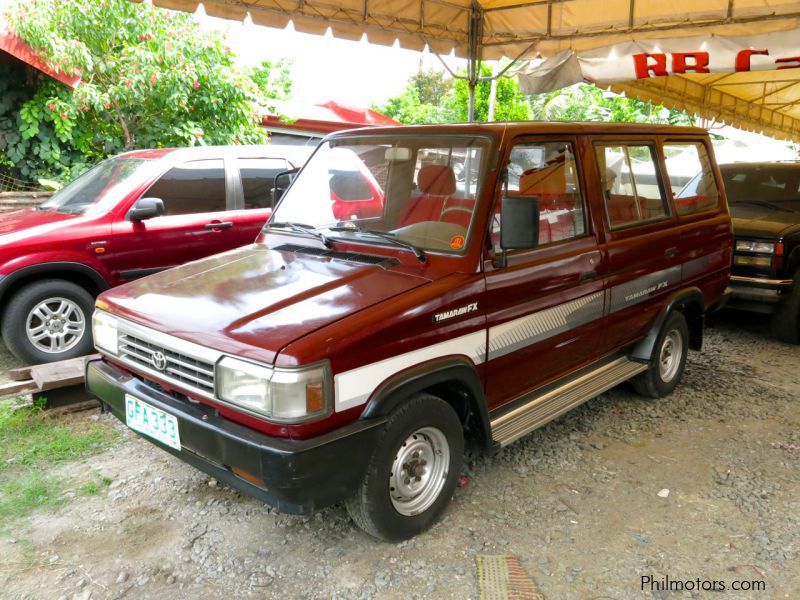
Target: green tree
[(427, 98), (150, 78), (510, 103), (273, 79), (584, 102)]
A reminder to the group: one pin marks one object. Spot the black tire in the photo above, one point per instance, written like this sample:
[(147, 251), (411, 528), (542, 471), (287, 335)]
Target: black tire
[(786, 320), (655, 382), (19, 307), (373, 507)]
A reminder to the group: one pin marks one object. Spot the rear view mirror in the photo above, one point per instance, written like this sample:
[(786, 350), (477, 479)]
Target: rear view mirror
[(519, 222), (282, 182), (146, 208)]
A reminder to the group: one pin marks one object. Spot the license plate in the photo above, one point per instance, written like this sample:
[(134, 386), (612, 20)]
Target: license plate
[(152, 422)]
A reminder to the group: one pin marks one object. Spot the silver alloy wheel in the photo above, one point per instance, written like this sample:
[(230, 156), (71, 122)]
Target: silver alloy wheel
[(419, 471), (55, 325), (669, 360)]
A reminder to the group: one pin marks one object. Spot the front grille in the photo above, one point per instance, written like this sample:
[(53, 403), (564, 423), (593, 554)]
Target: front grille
[(190, 372)]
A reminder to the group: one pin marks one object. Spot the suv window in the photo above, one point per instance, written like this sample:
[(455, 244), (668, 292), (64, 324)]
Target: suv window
[(632, 188), (197, 186), (258, 179), (690, 177), (547, 171)]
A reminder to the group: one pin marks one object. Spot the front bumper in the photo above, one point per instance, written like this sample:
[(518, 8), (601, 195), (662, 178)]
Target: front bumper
[(757, 294), (299, 476)]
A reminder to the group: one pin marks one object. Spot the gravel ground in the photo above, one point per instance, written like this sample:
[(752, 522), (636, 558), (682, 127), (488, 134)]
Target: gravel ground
[(577, 502)]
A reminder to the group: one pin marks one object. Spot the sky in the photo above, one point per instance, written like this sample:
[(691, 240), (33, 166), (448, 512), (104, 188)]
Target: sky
[(326, 68)]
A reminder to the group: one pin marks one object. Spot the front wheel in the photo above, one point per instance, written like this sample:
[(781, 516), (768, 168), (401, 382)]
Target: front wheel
[(786, 321), (48, 321), (413, 471), (668, 360)]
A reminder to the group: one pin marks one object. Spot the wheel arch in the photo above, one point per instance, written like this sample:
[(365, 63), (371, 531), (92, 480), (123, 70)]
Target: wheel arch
[(453, 379), (74, 272), (691, 303)]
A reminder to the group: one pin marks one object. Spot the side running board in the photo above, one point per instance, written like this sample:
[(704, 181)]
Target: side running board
[(541, 409)]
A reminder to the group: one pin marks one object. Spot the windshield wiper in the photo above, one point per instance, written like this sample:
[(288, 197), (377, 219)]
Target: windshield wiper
[(389, 237), (303, 228), (765, 204)]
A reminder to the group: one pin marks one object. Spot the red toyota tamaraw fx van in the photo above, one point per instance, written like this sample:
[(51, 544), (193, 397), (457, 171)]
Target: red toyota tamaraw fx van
[(512, 272)]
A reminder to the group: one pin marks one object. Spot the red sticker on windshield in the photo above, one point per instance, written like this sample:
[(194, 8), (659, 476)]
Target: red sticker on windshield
[(457, 242)]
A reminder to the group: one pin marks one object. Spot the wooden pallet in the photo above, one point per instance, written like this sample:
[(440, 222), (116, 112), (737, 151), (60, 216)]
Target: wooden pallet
[(60, 383)]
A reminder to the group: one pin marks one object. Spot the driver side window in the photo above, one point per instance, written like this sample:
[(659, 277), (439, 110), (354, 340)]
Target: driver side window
[(196, 186), (547, 171)]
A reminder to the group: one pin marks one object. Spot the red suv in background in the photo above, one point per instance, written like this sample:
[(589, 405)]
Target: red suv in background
[(129, 216)]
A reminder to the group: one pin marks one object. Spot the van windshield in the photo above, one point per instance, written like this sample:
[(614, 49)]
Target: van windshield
[(95, 190), (419, 190)]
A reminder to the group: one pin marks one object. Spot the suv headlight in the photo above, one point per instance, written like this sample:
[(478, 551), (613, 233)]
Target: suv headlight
[(104, 332), (755, 247), (281, 395)]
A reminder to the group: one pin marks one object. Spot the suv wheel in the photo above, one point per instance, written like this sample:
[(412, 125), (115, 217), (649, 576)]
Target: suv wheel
[(413, 472), (786, 321), (668, 360), (48, 321)]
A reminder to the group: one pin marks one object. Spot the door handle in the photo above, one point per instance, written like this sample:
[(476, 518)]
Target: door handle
[(671, 252), (219, 225), (588, 276)]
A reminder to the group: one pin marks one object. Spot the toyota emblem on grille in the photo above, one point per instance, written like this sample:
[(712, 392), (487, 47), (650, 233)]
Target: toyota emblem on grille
[(159, 361)]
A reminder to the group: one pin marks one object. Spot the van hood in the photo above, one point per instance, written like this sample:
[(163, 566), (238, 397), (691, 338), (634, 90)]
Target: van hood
[(29, 222), (754, 221), (253, 301)]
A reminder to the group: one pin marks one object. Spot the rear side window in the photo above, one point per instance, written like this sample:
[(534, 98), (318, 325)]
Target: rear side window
[(258, 179), (631, 183), (197, 186), (547, 171), (690, 177)]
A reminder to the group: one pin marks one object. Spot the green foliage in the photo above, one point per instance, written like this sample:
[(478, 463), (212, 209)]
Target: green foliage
[(273, 79), (584, 102), (510, 105), (433, 97), (149, 78)]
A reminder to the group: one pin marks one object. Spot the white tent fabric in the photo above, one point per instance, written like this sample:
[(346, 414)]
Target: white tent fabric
[(494, 29)]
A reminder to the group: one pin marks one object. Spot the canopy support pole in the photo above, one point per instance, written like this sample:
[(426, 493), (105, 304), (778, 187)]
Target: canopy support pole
[(474, 56)]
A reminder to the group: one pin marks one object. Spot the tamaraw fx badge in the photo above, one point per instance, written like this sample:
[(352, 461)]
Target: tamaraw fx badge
[(456, 312)]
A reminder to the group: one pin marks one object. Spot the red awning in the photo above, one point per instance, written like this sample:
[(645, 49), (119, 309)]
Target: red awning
[(324, 118), (11, 43)]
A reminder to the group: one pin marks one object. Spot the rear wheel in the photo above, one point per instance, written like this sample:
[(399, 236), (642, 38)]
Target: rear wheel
[(413, 471), (668, 360), (48, 321), (786, 321)]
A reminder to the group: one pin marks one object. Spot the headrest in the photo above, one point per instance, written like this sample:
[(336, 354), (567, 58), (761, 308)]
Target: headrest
[(436, 180), (548, 181)]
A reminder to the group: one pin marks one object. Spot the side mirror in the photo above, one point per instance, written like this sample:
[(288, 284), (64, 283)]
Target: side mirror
[(146, 208), (519, 222), (282, 182)]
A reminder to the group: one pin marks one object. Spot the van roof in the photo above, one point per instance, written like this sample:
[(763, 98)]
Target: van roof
[(535, 127), (296, 154)]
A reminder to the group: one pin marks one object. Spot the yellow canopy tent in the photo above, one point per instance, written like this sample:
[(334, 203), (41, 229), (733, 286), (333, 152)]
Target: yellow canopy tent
[(518, 29)]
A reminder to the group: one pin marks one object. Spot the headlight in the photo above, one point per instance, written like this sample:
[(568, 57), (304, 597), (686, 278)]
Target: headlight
[(104, 331), (282, 395), (755, 247)]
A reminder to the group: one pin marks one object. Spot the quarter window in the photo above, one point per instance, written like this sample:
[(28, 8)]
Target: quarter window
[(690, 177), (197, 186), (258, 179), (548, 172), (631, 184)]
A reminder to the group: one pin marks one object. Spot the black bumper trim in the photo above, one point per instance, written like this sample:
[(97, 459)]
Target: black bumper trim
[(300, 476)]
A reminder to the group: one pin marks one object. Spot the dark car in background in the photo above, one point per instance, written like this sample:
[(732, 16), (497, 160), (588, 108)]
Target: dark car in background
[(129, 216), (764, 200)]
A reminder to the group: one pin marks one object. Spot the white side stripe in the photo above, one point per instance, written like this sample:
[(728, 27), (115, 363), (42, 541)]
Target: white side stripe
[(354, 387)]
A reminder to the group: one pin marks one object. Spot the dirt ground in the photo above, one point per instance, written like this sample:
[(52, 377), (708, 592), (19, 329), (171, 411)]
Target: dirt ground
[(577, 502)]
